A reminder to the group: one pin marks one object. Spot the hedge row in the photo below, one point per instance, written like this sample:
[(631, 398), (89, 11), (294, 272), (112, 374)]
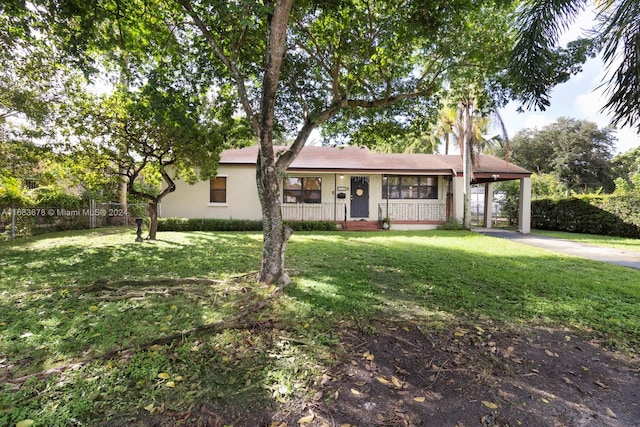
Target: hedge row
[(605, 215), (213, 224)]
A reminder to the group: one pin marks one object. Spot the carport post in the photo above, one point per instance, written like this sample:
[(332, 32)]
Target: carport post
[(488, 204), (524, 211)]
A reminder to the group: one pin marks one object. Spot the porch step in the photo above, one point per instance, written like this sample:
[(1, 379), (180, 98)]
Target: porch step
[(361, 226)]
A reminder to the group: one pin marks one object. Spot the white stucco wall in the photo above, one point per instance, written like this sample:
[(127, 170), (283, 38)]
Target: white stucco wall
[(192, 201)]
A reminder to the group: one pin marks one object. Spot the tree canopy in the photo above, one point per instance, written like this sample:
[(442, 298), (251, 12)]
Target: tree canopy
[(538, 63), (575, 151)]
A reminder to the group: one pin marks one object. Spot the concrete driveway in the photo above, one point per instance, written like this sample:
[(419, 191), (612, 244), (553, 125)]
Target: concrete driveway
[(596, 253)]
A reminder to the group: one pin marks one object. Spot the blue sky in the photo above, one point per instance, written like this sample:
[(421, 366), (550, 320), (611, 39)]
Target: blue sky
[(579, 98)]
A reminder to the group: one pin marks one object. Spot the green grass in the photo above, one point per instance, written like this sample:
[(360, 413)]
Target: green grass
[(436, 279), (608, 241)]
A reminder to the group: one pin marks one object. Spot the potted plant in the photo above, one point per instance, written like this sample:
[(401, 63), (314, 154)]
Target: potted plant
[(386, 223)]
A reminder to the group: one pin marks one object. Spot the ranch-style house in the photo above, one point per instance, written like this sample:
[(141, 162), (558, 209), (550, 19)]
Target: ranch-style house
[(351, 186)]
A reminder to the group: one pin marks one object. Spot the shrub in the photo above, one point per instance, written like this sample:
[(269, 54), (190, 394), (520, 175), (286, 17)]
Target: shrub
[(451, 225), (54, 197), (594, 214), (215, 224)]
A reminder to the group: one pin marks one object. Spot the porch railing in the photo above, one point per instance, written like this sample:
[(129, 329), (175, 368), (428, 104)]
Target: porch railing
[(314, 211), (419, 212), (397, 211)]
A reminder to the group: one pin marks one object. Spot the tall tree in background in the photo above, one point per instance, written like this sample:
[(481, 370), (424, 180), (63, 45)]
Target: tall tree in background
[(626, 167), (538, 64), (472, 121), (575, 151), (444, 128)]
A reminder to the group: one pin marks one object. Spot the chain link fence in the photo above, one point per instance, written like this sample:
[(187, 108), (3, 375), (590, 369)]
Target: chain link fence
[(28, 221)]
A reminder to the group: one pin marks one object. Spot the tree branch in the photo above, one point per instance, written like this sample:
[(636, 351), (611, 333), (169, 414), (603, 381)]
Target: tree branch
[(230, 64)]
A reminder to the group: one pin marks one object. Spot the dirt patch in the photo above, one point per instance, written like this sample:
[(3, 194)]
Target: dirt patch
[(480, 375)]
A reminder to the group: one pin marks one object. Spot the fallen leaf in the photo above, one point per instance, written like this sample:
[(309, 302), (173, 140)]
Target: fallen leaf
[(406, 328), (611, 413), (549, 353), (382, 380), (149, 407), (25, 423), (163, 375), (178, 378), (567, 380), (401, 371), (489, 405), (306, 420), (318, 395), (367, 355), (170, 384), (504, 395), (396, 382), (459, 333), (356, 392), (93, 307), (155, 347), (544, 400), (601, 384), (479, 329), (419, 399), (325, 379)]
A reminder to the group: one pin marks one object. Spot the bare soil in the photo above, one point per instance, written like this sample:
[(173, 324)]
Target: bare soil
[(480, 375)]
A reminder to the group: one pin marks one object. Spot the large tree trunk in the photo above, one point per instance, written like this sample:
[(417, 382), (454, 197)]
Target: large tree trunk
[(275, 234), (467, 160), (122, 190), (268, 173), (467, 185), (152, 210)]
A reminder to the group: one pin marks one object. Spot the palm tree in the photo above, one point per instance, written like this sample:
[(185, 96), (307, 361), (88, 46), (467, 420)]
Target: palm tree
[(535, 64), (444, 126), (469, 132)]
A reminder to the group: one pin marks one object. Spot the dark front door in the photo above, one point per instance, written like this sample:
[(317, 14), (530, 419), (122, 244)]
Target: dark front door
[(359, 197)]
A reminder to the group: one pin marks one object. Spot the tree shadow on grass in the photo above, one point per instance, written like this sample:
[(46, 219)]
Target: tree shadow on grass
[(340, 281), (415, 274)]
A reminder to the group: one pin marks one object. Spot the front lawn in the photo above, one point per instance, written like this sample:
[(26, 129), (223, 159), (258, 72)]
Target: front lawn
[(93, 325), (624, 243)]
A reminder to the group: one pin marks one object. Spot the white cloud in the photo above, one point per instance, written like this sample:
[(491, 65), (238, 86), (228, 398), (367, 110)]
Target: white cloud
[(536, 121)]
